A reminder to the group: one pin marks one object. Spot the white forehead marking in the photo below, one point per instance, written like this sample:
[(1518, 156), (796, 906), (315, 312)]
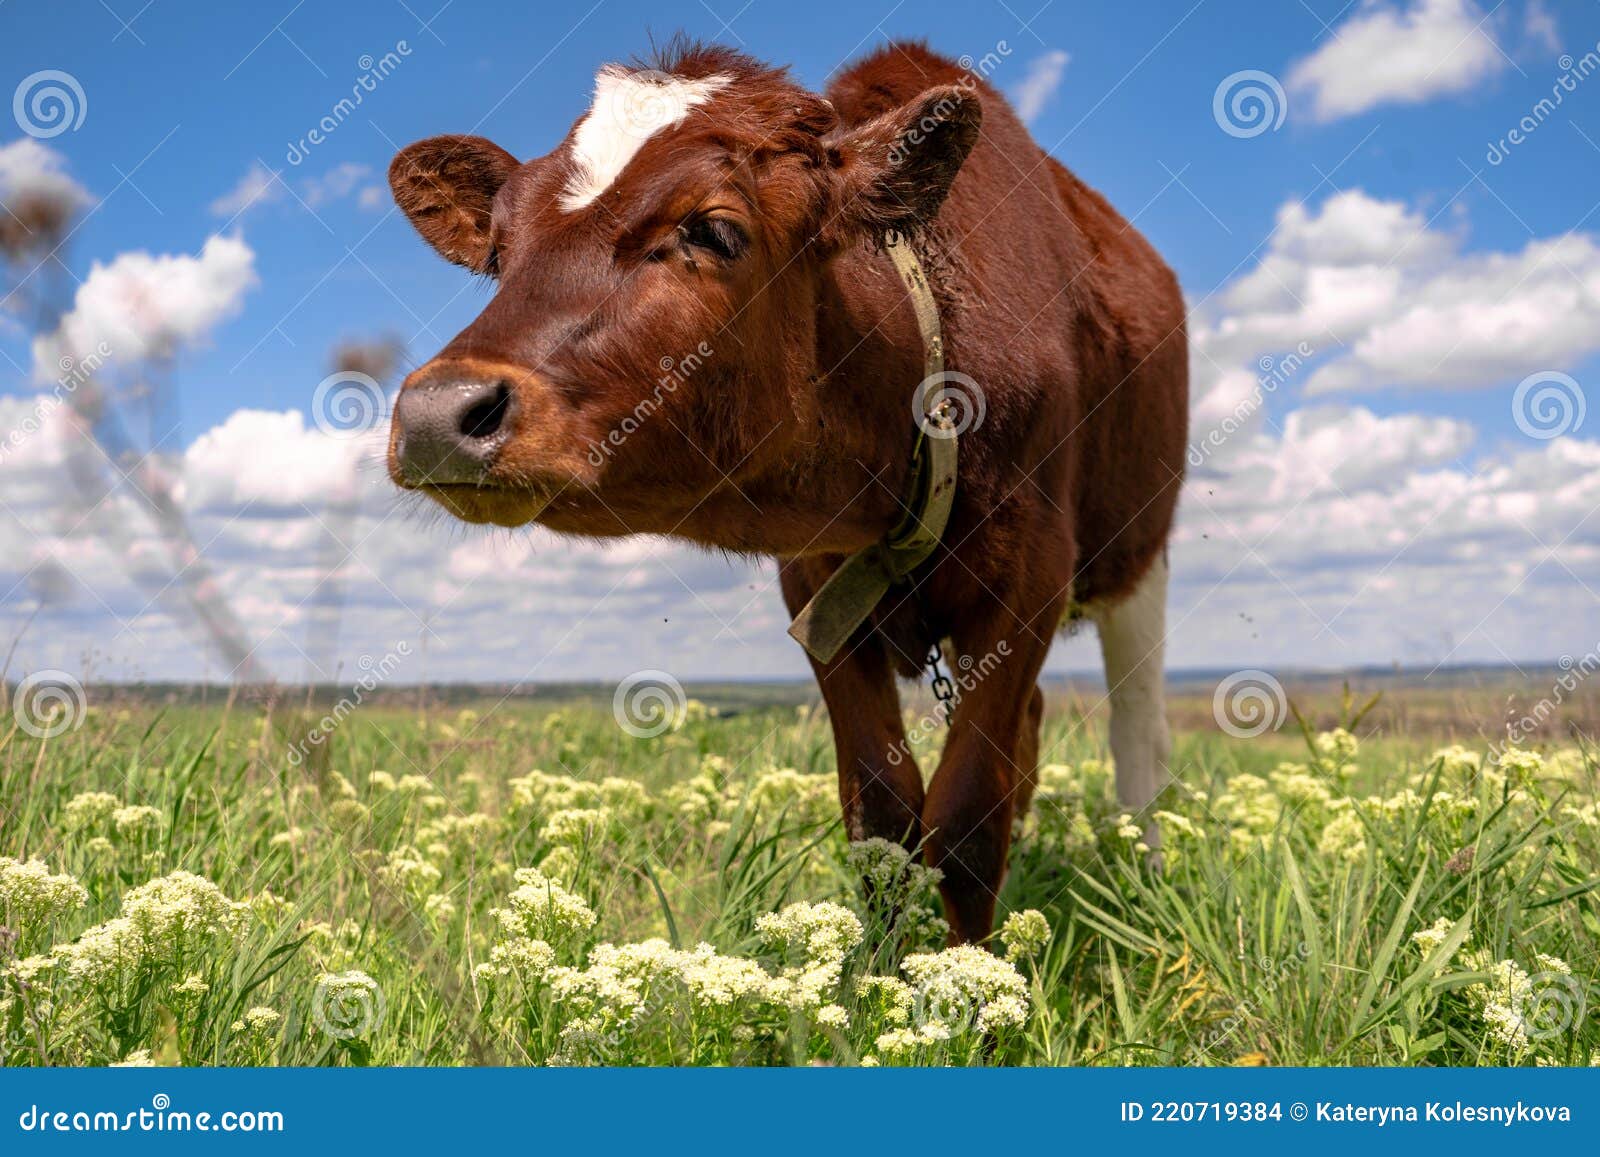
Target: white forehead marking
[(629, 108)]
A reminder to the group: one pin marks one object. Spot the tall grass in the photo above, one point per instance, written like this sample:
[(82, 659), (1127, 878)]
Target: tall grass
[(368, 906)]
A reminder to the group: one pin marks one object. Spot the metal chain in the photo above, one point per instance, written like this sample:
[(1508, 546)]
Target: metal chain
[(943, 689)]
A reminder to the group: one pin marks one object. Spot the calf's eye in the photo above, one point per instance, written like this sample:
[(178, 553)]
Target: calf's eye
[(717, 235)]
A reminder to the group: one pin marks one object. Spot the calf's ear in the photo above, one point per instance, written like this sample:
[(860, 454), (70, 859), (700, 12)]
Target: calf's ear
[(446, 185), (892, 173)]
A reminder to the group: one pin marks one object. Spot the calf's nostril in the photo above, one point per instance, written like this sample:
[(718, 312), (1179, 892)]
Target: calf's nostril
[(484, 417), (450, 431)]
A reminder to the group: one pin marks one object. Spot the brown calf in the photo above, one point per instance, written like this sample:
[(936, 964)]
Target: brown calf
[(709, 211)]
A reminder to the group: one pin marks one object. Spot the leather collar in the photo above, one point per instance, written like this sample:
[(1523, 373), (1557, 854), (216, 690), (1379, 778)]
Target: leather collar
[(849, 596)]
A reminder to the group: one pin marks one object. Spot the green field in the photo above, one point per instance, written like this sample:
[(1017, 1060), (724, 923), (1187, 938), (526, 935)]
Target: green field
[(522, 883)]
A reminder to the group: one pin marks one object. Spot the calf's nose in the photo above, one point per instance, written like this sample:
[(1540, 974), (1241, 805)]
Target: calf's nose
[(450, 431)]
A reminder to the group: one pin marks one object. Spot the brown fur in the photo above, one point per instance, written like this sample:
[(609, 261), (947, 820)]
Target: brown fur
[(792, 439)]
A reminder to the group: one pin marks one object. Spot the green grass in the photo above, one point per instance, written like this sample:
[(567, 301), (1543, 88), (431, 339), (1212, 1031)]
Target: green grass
[(1279, 929)]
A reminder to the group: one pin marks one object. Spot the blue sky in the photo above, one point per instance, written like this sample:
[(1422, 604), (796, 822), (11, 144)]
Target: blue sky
[(1448, 534)]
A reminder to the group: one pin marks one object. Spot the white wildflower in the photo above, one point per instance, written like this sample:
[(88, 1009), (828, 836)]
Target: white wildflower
[(160, 922), (259, 1021), (89, 810), (1344, 838), (1429, 939), (31, 898), (137, 820), (405, 870), (969, 985), (577, 826), (832, 1016), (1338, 750), (889, 995), (824, 932), (1025, 934), (542, 909)]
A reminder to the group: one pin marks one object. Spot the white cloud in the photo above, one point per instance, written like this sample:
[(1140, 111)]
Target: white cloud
[(1331, 535), (1032, 93), (262, 493), (1481, 320), (1386, 54), (337, 183), (30, 169), (259, 456), (1357, 539), (1388, 303), (142, 306), (1336, 448), (1539, 27), (258, 186)]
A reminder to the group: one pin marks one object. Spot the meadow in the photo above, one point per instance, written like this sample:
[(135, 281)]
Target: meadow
[(528, 883)]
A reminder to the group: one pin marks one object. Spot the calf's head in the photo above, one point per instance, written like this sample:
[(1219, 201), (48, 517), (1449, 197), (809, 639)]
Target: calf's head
[(652, 333)]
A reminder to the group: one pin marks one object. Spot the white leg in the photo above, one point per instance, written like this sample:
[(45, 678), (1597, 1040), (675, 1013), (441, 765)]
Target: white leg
[(1132, 642)]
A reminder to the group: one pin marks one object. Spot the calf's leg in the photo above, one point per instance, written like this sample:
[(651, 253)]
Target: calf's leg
[(1027, 759), (1132, 643), (975, 792), (880, 788)]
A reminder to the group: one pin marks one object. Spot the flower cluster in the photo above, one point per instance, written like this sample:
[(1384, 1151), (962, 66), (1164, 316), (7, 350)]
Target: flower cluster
[(89, 811), (822, 932), (710, 799), (1344, 838), (898, 893), (1430, 939), (162, 923), (31, 899), (409, 872), (539, 914), (967, 986), (1025, 934)]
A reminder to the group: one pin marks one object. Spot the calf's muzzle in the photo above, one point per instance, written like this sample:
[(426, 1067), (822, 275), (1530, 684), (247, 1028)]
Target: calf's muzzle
[(448, 430)]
